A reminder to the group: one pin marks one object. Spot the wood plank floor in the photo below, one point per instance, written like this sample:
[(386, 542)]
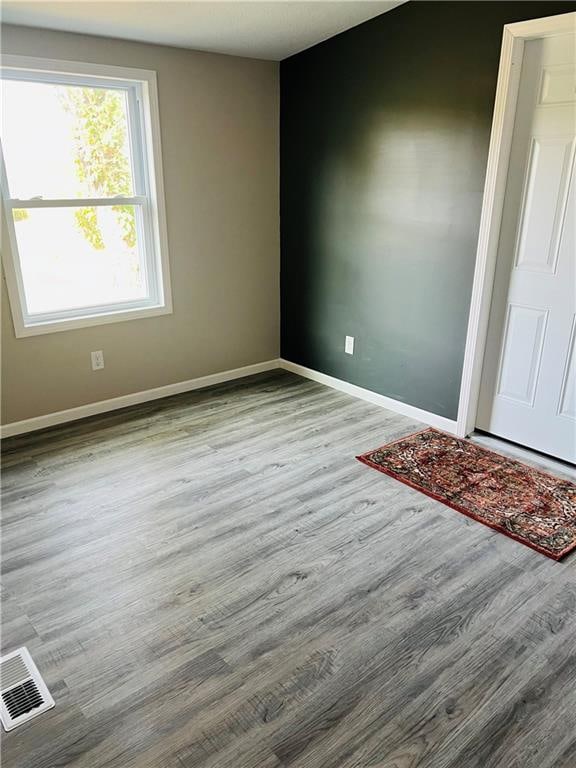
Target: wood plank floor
[(212, 581)]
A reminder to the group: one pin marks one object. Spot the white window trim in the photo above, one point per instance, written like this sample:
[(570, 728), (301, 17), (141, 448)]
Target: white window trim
[(150, 117)]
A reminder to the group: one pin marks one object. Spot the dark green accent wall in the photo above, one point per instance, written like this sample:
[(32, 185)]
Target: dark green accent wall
[(384, 142)]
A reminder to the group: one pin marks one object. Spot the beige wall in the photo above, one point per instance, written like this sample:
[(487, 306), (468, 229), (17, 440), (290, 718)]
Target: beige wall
[(219, 123)]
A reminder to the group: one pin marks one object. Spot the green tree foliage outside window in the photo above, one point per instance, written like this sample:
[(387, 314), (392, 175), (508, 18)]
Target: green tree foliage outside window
[(102, 164), (20, 214)]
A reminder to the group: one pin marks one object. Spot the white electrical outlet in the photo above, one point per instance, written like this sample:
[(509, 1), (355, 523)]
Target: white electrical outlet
[(97, 360), (349, 345)]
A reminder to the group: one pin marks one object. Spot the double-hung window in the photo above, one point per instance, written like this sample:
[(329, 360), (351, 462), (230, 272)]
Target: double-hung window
[(82, 186)]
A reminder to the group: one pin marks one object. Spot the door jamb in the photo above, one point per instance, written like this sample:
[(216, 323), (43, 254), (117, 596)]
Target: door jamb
[(511, 54)]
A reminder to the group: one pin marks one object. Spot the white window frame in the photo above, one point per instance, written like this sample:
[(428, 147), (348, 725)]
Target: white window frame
[(141, 87)]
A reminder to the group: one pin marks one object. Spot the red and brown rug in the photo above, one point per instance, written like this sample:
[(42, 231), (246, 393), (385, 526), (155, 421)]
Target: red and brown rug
[(533, 507)]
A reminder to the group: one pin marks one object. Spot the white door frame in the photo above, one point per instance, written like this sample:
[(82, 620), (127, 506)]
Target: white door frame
[(493, 200)]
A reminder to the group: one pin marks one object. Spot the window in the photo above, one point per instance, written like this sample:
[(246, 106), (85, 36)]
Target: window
[(82, 187)]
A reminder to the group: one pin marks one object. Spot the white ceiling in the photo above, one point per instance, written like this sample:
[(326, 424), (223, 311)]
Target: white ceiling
[(264, 29)]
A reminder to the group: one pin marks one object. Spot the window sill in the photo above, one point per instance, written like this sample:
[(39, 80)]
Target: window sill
[(86, 321)]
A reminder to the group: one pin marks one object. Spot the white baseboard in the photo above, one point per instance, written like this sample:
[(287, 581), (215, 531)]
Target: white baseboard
[(441, 422), (135, 398)]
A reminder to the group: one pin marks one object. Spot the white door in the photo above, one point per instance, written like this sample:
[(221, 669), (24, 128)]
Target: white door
[(528, 387)]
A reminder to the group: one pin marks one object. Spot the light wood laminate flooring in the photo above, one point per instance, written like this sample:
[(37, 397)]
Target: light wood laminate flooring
[(213, 581)]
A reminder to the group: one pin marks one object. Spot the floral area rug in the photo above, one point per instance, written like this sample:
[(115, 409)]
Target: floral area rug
[(528, 505)]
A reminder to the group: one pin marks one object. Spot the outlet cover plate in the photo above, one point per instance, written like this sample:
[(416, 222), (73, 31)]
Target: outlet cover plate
[(97, 360)]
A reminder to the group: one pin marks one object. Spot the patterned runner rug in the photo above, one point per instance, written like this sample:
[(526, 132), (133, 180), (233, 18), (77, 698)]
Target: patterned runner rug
[(528, 505)]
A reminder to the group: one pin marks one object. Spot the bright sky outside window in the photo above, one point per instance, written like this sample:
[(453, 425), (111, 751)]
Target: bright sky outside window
[(81, 194)]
